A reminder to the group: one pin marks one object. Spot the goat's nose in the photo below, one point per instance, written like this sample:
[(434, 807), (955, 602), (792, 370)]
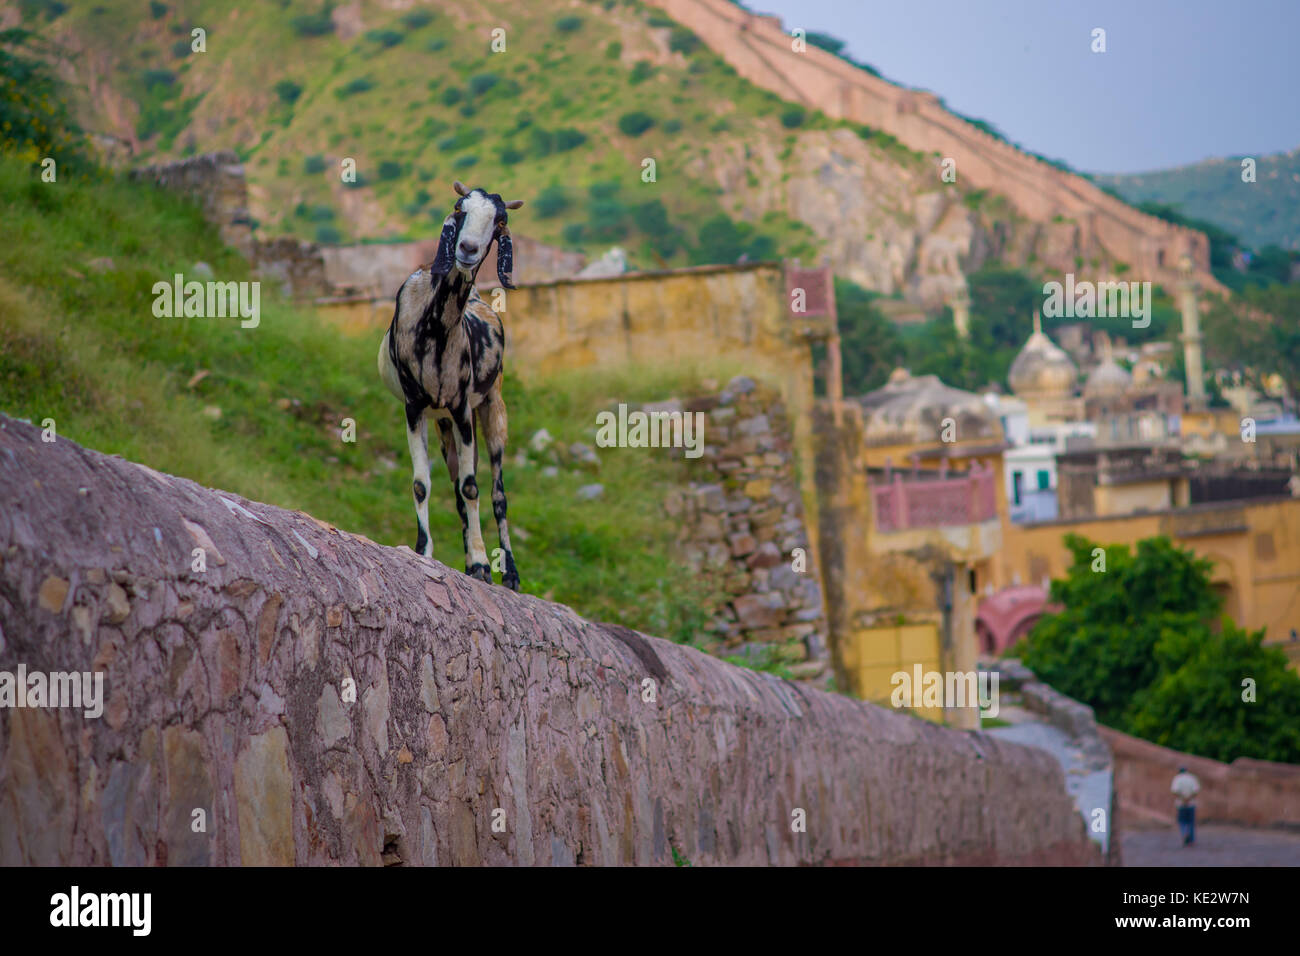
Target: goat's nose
[(468, 248)]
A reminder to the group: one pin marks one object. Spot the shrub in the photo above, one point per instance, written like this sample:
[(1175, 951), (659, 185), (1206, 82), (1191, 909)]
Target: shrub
[(451, 95), (568, 24), (328, 235), (575, 233), (672, 126), (466, 161), (510, 156), (152, 78), (157, 10), (568, 138), (480, 83), (642, 70), (360, 85), (614, 51), (436, 44), (552, 201), (793, 117), (288, 91), (385, 38), (389, 169), (635, 123), (314, 24), (417, 18), (683, 41), (181, 49), (312, 165)]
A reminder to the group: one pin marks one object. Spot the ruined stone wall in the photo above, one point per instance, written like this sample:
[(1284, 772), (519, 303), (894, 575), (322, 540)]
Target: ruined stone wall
[(228, 690), (1254, 793), (759, 49), (742, 521)]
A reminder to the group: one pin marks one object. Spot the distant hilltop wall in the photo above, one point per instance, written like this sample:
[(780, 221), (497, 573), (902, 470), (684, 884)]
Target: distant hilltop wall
[(314, 698), (759, 49)]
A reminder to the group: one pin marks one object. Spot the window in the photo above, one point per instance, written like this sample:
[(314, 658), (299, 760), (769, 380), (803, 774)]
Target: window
[(1015, 485), (1044, 480)]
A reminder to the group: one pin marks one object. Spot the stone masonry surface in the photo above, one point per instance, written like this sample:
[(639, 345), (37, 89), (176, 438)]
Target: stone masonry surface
[(228, 690)]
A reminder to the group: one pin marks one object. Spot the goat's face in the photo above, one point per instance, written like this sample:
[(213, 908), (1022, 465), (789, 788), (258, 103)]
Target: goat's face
[(478, 219)]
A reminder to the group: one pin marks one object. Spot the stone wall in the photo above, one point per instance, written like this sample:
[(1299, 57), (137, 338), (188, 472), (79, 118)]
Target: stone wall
[(759, 49), (1253, 793), (742, 521), (216, 182), (231, 691)]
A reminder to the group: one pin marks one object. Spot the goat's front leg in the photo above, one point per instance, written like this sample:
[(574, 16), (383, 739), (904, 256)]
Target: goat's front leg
[(476, 560), (417, 439), (492, 416)]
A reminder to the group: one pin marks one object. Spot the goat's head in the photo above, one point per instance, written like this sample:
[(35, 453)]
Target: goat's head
[(478, 219)]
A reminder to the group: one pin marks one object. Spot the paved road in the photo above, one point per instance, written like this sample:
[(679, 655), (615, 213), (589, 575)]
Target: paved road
[(1216, 845)]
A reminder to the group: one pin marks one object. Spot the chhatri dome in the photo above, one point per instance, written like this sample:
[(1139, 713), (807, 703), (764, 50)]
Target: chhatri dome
[(1042, 369), (1108, 378)]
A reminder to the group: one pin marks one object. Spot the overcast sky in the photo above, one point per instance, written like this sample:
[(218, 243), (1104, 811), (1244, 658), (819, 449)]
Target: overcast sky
[(1180, 81)]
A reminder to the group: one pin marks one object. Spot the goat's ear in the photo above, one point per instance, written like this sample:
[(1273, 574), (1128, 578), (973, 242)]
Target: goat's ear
[(461, 188), (505, 258), (514, 204), (446, 248)]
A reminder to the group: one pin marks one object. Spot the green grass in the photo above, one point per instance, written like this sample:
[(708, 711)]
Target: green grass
[(84, 348)]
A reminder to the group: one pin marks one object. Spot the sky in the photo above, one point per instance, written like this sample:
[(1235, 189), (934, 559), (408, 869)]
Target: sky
[(1180, 81)]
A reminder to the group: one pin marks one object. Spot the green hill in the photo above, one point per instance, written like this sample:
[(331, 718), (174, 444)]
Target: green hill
[(1263, 213)]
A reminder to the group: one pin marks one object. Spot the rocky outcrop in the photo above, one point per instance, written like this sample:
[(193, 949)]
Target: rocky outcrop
[(278, 691), (1067, 215)]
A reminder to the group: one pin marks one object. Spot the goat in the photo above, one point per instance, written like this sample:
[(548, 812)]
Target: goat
[(442, 357)]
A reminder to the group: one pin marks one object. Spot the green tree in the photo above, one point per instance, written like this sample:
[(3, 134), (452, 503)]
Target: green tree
[(870, 347), (1143, 643)]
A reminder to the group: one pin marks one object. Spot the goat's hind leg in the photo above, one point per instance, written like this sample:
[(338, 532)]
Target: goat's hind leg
[(417, 439), (492, 419)]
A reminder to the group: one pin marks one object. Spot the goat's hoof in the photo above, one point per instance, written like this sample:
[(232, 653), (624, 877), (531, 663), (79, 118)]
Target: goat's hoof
[(510, 580), (480, 572)]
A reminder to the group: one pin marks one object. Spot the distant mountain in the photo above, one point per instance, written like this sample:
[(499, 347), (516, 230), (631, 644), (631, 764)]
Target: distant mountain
[(1263, 213)]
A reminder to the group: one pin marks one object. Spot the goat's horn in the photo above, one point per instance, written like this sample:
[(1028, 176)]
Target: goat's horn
[(514, 204), (461, 188)]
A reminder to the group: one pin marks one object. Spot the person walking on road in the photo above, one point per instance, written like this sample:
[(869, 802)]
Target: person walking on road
[(1185, 787)]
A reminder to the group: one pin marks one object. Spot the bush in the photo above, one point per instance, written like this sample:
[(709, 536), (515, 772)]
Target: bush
[(288, 91), (33, 106), (157, 10), (314, 24), (389, 169), (575, 233), (793, 117), (385, 38), (153, 78), (311, 165), (328, 235), (614, 51), (683, 41), (466, 161), (452, 95), (635, 123), (360, 85), (480, 83), (568, 24), (567, 139), (436, 44), (642, 70), (510, 156), (672, 126), (551, 201), (181, 49), (417, 18)]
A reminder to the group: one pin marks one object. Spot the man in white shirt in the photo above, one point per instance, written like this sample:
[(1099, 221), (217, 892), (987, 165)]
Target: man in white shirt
[(1185, 787)]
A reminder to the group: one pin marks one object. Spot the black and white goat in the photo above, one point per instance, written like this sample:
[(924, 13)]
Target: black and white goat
[(442, 357)]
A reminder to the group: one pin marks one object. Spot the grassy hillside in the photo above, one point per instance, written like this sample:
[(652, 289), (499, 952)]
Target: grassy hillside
[(1263, 213), (582, 94), (259, 411)]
